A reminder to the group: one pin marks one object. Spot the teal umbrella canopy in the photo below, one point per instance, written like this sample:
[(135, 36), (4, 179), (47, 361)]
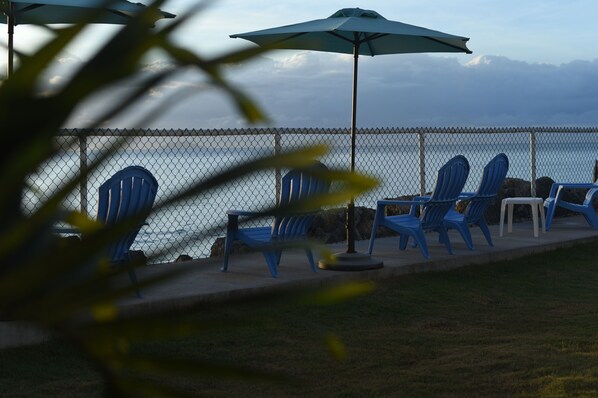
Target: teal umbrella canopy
[(367, 30), (358, 32), (44, 12)]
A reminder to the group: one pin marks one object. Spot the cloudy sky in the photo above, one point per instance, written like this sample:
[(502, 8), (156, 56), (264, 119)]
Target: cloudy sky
[(534, 62)]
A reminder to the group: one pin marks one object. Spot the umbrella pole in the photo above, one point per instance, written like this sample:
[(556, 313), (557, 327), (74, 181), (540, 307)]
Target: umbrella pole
[(351, 260), (351, 205)]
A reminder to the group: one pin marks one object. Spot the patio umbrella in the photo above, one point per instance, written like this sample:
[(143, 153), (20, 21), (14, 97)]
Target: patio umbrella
[(44, 12), (358, 32)]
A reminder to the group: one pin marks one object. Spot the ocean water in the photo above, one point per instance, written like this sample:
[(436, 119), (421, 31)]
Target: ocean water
[(191, 226)]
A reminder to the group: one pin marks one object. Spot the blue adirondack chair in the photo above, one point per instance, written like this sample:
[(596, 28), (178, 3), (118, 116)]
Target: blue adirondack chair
[(586, 208), (296, 185), (449, 184), (127, 193), (478, 202)]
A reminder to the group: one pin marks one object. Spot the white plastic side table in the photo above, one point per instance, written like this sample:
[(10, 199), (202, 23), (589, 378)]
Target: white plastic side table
[(535, 203)]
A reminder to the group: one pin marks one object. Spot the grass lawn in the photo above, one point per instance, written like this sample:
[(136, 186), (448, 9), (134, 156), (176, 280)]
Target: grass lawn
[(523, 328)]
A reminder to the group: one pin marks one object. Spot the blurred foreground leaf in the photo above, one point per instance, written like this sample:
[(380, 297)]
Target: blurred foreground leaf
[(68, 287)]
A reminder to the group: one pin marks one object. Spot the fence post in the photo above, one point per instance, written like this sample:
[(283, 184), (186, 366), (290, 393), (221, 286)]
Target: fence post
[(532, 160), (83, 170), (422, 162), (278, 172)]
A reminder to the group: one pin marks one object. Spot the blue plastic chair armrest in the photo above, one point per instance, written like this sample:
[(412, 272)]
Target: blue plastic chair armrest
[(557, 186), (416, 201), (466, 195), (420, 199), (381, 204), (575, 185)]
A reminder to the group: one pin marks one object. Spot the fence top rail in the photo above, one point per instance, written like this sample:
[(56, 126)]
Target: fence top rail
[(317, 131)]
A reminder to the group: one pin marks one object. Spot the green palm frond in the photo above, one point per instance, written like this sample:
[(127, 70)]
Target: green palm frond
[(70, 289)]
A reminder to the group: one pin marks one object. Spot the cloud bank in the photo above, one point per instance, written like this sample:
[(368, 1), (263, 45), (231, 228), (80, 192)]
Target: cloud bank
[(311, 89)]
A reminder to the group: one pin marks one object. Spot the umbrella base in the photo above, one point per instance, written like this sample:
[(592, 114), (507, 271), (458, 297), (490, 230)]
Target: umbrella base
[(350, 262)]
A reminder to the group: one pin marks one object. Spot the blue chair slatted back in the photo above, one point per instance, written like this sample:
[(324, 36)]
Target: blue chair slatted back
[(127, 193), (449, 184), (298, 185), (493, 177)]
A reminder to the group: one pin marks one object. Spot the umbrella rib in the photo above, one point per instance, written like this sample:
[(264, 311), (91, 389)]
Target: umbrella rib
[(274, 44), (23, 10), (373, 37), (369, 39), (30, 7), (333, 33), (446, 44), (120, 13)]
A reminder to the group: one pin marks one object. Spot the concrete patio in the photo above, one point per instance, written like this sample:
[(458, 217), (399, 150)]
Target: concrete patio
[(248, 274)]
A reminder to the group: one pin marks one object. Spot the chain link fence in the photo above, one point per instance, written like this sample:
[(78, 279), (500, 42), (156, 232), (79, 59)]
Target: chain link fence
[(405, 161)]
